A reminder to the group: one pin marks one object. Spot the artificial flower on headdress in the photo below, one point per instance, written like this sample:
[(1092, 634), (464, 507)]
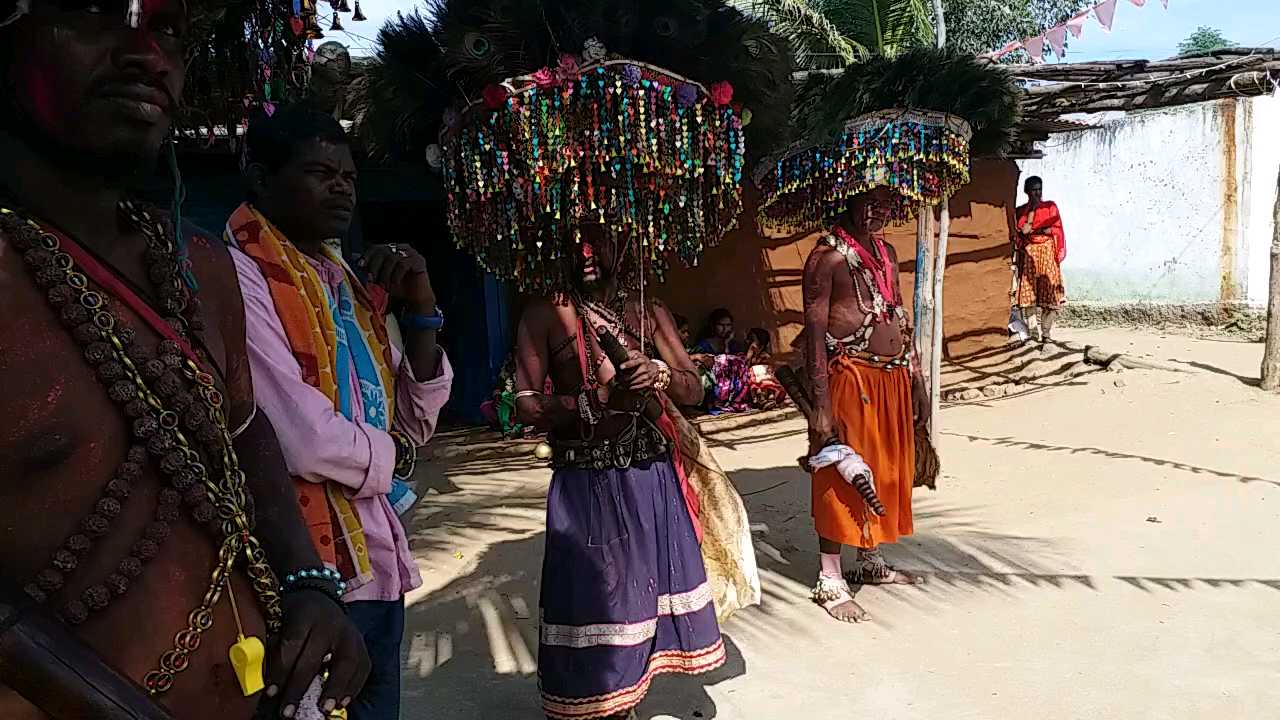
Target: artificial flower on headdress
[(593, 51), (545, 78), (722, 93), (495, 96), (568, 69)]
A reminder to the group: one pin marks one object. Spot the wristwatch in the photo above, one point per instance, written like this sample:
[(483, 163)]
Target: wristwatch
[(418, 321)]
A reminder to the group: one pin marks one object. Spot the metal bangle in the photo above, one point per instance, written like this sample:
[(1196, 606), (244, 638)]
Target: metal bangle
[(663, 381)]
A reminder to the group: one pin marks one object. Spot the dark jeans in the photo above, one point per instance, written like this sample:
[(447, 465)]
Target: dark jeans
[(382, 625)]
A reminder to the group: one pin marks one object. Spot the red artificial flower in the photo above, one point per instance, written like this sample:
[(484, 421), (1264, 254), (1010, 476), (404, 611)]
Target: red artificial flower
[(296, 24), (544, 78), (495, 96), (722, 93)]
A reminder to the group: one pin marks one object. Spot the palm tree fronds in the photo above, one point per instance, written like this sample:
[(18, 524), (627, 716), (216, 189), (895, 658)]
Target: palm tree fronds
[(885, 27), (816, 40)]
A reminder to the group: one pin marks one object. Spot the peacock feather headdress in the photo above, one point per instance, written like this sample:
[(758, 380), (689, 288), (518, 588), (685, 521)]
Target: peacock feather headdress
[(634, 115), (910, 122)]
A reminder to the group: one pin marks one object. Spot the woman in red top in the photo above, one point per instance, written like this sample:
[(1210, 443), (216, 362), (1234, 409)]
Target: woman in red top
[(1041, 248)]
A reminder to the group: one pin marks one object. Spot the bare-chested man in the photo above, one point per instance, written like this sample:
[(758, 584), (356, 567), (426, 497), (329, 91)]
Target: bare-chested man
[(125, 379), (866, 395), (624, 589)]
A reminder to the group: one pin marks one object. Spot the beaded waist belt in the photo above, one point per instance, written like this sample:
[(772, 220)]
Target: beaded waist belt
[(883, 362), (640, 442)]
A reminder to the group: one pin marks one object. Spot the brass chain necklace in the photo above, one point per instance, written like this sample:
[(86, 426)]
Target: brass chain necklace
[(161, 424)]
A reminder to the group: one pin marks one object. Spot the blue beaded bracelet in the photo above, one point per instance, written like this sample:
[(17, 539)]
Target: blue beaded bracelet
[(322, 574)]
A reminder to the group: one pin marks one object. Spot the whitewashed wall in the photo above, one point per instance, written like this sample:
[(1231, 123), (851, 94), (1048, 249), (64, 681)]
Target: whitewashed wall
[(1148, 205), (1264, 157)]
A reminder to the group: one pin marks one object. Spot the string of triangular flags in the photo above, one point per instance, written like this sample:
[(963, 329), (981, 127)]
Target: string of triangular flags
[(1055, 38)]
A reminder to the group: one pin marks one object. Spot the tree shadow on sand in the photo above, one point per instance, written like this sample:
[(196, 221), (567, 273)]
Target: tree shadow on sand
[(471, 648), (953, 548)]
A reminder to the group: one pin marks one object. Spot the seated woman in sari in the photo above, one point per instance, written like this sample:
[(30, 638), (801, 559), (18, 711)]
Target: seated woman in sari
[(741, 381), (765, 392)]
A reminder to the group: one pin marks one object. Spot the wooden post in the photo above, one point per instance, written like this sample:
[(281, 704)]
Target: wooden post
[(922, 301), (1271, 351), (935, 350)]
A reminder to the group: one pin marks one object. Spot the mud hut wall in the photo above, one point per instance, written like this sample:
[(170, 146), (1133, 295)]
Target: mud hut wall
[(758, 277)]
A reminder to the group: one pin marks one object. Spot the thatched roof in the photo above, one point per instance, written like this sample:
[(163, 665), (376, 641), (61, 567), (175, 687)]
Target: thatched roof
[(1061, 89)]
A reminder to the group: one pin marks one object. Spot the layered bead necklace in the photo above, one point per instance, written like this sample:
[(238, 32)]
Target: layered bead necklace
[(176, 420)]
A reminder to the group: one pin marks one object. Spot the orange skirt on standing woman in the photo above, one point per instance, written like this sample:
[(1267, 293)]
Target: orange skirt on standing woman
[(1040, 277), (873, 415)]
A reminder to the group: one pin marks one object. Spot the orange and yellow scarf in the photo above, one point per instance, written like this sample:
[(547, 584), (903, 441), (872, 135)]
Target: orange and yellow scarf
[(304, 308)]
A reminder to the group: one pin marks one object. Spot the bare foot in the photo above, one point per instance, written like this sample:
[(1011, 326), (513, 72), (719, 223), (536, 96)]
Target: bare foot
[(835, 597), (846, 611)]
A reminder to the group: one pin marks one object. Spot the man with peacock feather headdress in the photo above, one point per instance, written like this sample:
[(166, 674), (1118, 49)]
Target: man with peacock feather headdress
[(586, 143), (881, 140), (148, 515)]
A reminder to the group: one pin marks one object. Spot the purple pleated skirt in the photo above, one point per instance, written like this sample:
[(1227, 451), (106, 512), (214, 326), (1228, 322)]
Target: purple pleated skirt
[(624, 591)]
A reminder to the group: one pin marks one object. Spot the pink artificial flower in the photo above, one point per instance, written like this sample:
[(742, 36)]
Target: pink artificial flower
[(722, 93), (544, 78)]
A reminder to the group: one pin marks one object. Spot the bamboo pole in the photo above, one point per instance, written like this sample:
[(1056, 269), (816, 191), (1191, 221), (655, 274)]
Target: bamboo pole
[(935, 350), (1271, 352)]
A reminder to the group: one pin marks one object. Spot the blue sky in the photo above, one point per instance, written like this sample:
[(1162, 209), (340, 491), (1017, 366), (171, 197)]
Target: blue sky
[(1151, 32), (1140, 32)]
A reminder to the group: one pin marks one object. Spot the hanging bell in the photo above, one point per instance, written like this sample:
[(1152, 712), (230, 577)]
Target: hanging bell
[(337, 22), (344, 6), (359, 16), (312, 31)]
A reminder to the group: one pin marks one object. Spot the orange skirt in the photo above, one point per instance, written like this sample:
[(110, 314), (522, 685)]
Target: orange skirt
[(873, 415), (1040, 281)]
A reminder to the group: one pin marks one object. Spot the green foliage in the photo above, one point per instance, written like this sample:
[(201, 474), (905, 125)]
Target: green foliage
[(979, 26), (884, 27), (1203, 40), (815, 39), (922, 78), (834, 33)]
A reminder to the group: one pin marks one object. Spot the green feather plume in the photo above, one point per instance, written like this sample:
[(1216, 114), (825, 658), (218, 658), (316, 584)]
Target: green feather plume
[(982, 94)]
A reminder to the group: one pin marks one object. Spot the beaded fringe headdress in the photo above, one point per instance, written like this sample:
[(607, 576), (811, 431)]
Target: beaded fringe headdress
[(909, 123), (924, 157), (641, 150), (649, 142)]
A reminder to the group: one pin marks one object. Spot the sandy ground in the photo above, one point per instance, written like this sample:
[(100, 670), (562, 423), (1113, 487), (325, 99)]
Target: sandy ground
[(1100, 547)]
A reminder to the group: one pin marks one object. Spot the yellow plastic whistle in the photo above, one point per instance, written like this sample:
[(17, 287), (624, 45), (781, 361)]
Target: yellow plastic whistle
[(246, 660)]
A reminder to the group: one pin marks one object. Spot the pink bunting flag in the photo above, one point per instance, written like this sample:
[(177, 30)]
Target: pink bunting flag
[(1057, 38), (1006, 49), (1140, 3), (1035, 48), (1106, 14), (1076, 24)]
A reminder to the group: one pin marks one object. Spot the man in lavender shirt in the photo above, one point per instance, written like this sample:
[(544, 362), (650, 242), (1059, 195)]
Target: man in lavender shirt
[(302, 187)]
